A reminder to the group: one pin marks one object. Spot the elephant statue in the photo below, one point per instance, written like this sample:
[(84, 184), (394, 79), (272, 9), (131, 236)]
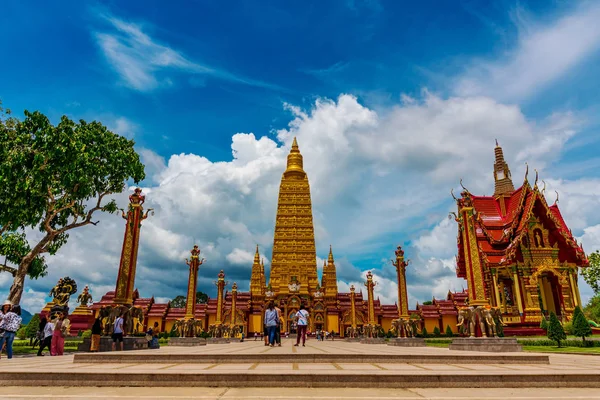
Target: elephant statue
[(488, 325), (134, 323), (466, 321)]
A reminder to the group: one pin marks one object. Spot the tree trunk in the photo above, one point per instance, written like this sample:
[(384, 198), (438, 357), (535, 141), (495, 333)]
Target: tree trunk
[(16, 290)]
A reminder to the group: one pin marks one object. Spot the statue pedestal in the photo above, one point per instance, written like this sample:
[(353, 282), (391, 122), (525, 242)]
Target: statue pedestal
[(129, 343), (187, 341), (82, 319), (407, 342), (494, 345), (220, 340), (372, 340)]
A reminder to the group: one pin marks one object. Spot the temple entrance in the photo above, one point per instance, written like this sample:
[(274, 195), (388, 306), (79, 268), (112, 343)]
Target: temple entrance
[(291, 324), (550, 294)]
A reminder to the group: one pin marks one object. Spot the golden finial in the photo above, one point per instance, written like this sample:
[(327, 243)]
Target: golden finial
[(497, 145), (556, 201), (294, 159), (330, 257)]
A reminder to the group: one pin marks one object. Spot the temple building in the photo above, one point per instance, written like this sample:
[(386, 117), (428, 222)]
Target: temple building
[(293, 278), (516, 252)]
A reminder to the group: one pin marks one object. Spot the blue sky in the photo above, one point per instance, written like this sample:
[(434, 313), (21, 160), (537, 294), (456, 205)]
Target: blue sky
[(183, 80)]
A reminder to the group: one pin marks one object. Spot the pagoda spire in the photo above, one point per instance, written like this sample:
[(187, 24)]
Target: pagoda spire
[(503, 182), (294, 161), (293, 265), (256, 279), (324, 276), (331, 278)]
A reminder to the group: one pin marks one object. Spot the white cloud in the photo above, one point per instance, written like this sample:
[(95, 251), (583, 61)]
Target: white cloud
[(377, 178), (139, 59), (543, 53)]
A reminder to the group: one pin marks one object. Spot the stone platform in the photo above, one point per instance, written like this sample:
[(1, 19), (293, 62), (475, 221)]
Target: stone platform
[(129, 343), (187, 341), (320, 365), (407, 342), (218, 340), (494, 345), (373, 341)]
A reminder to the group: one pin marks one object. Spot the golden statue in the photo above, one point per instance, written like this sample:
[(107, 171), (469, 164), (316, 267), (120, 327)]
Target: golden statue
[(62, 291), (85, 296)]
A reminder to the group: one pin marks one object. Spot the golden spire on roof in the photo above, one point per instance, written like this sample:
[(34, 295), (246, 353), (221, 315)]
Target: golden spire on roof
[(257, 256), (502, 178), (330, 257)]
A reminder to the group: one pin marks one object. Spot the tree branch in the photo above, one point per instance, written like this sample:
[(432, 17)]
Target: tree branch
[(88, 218), (5, 228), (6, 268)]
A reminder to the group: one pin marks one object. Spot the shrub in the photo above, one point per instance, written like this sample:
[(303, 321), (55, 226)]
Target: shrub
[(436, 332), (555, 330), (568, 327), (424, 333), (581, 327), (86, 334), (449, 332), (544, 323), (33, 326), (22, 332)]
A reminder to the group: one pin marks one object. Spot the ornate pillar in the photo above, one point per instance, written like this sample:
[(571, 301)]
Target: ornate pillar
[(401, 265), (370, 284), (576, 301), (473, 265), (233, 303), (517, 292), (353, 305), (542, 290), (194, 263), (220, 289), (533, 313), (126, 277), (495, 283)]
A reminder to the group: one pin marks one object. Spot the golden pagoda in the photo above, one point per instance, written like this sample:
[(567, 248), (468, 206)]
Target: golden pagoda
[(294, 262)]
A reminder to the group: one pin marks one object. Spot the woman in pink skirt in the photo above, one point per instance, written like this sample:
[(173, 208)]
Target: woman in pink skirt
[(61, 330)]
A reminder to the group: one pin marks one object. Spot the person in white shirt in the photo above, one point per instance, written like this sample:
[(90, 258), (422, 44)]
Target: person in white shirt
[(302, 318), (47, 340)]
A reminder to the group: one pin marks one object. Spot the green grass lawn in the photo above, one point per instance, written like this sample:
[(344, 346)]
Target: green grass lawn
[(554, 349)]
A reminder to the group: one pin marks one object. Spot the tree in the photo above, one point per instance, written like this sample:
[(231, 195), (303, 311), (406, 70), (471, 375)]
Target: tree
[(436, 332), (592, 308), (54, 179), (424, 332), (33, 326), (201, 298), (591, 274), (178, 302), (544, 323), (449, 332), (555, 330), (581, 327)]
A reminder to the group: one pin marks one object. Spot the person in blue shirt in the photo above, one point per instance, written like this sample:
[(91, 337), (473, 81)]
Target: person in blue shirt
[(271, 321)]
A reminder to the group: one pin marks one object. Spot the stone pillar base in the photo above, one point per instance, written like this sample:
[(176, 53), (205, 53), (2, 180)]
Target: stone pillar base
[(218, 340), (495, 345), (373, 341), (407, 342), (129, 343), (187, 341)]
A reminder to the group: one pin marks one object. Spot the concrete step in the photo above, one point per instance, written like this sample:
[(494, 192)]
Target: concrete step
[(343, 379), (150, 357)]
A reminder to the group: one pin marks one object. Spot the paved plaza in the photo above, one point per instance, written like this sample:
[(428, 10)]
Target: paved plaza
[(304, 373)]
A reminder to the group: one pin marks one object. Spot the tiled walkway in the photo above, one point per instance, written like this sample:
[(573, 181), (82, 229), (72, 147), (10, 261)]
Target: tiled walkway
[(280, 379)]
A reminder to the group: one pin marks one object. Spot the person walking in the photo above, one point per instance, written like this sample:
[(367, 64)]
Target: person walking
[(271, 323), (96, 332), (117, 335), (11, 321), (302, 318), (5, 309), (278, 328), (47, 332), (62, 327)]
